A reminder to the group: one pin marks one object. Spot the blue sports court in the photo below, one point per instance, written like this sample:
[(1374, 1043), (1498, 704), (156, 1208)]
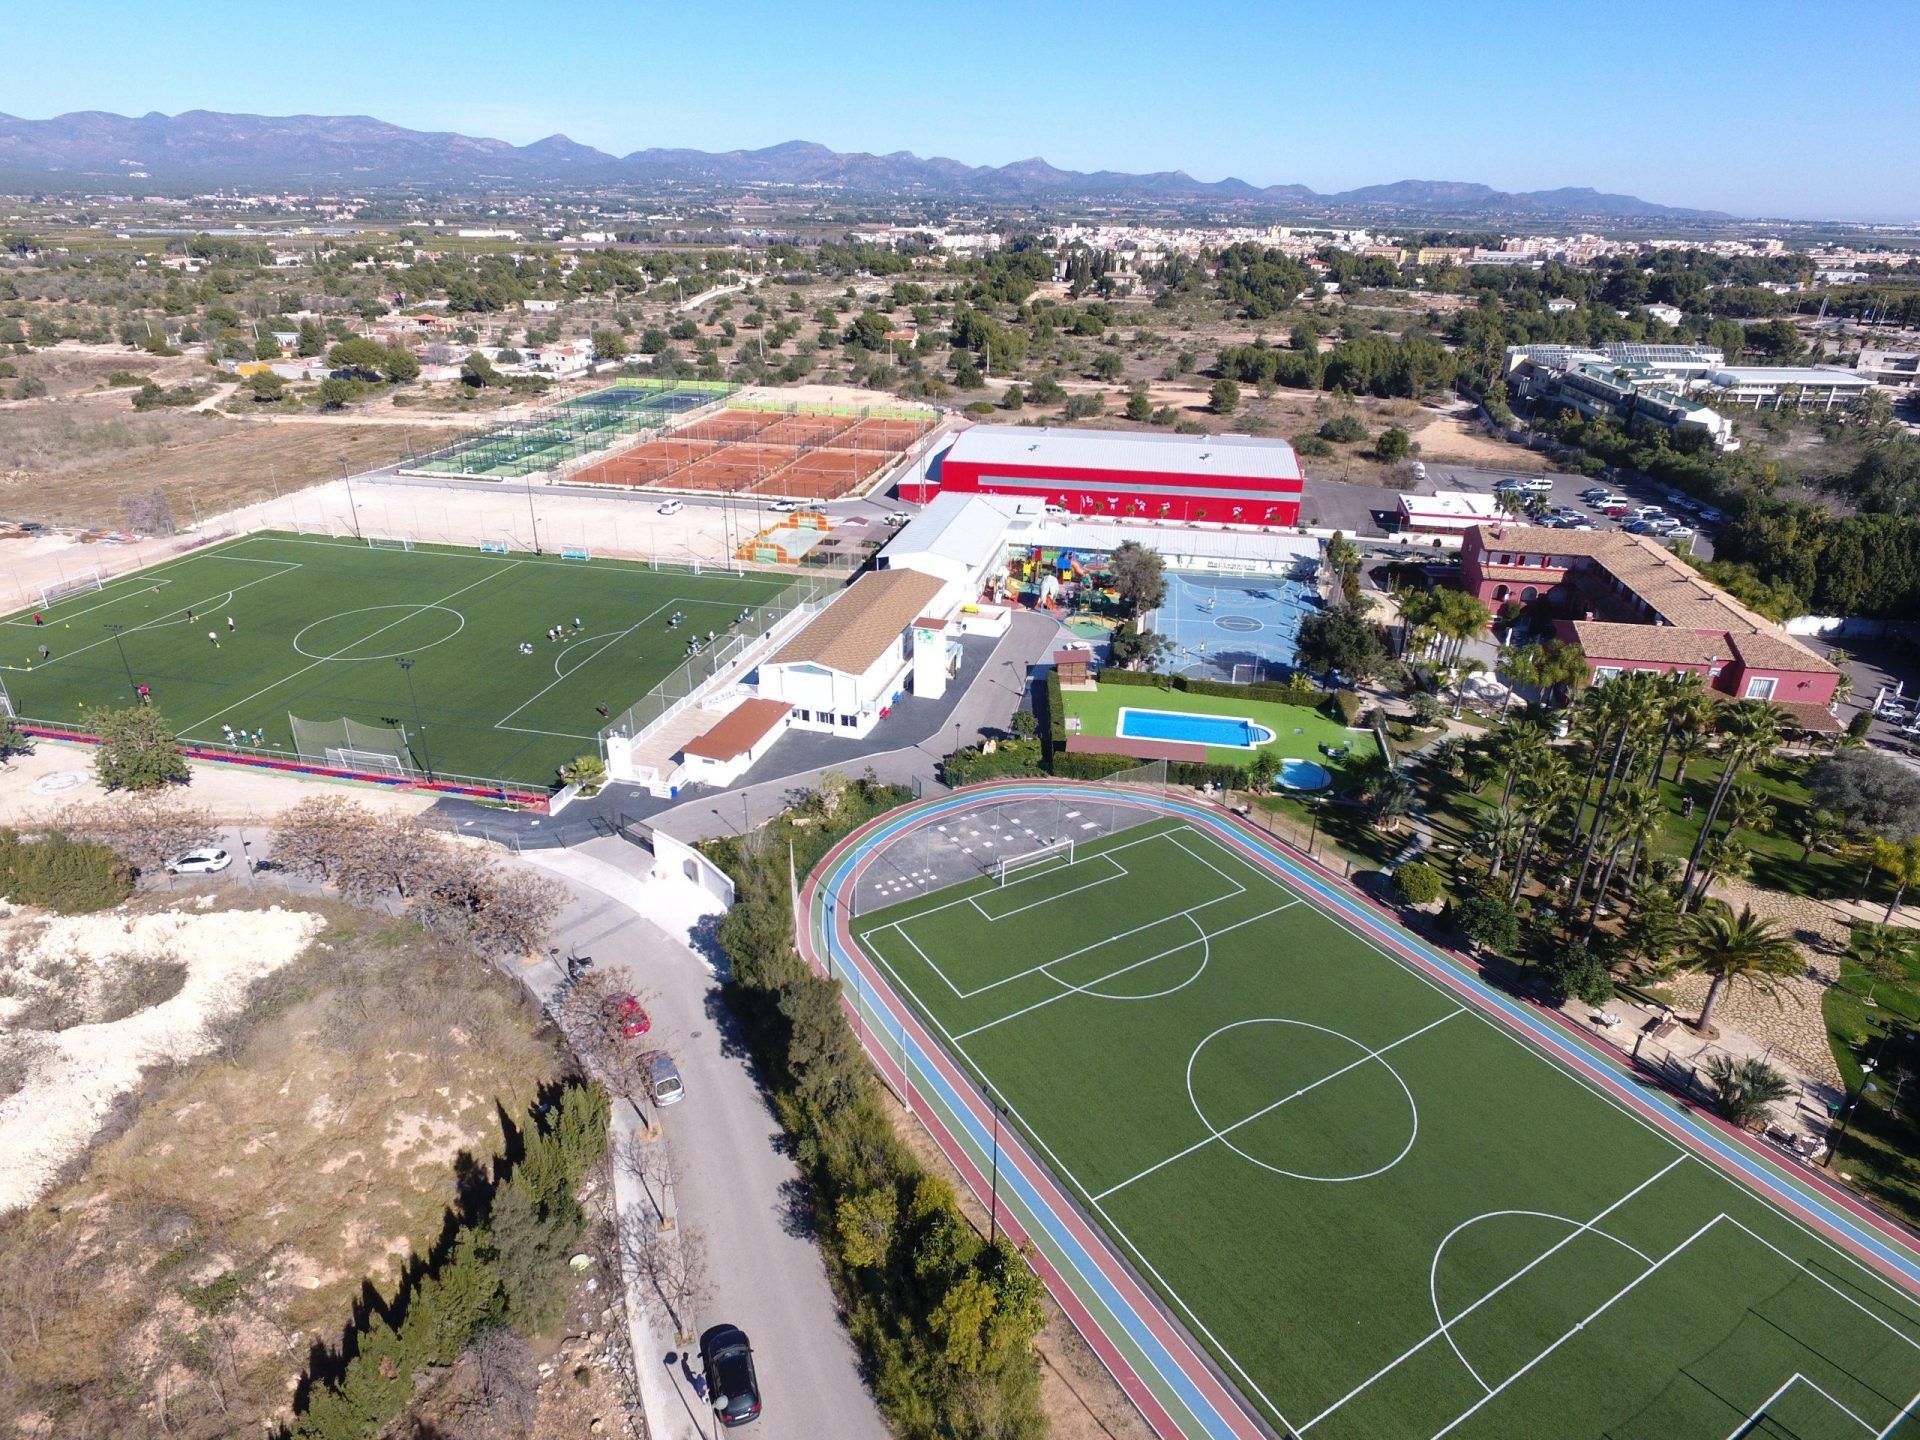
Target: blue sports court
[(1237, 628)]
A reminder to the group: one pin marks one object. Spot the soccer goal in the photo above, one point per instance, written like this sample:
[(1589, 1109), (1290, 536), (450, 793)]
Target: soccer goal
[(1008, 866), (366, 762), (1245, 674), (68, 585), (374, 542)]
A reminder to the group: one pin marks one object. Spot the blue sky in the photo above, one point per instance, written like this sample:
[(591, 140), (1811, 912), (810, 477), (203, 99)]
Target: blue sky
[(1760, 107)]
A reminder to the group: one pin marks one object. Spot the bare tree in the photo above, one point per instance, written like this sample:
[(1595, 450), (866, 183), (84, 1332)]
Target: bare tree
[(315, 837), (151, 513), (145, 828), (651, 1163), (674, 1265)]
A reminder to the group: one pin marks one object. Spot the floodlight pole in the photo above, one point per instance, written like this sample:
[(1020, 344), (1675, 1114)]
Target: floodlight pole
[(133, 684), (531, 515), (353, 507), (420, 726)]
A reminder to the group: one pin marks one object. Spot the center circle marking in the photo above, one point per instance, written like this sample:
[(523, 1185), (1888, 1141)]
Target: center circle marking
[(460, 623), (1238, 624), (1363, 1057)]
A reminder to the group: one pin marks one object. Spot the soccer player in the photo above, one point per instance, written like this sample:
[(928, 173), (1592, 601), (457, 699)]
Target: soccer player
[(229, 624), (213, 639), (45, 654)]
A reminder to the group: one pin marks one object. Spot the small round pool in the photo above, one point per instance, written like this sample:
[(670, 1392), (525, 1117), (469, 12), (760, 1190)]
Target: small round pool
[(1297, 774)]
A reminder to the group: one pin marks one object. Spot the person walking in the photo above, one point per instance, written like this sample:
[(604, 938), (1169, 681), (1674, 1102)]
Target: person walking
[(213, 639), (45, 654), (229, 624)]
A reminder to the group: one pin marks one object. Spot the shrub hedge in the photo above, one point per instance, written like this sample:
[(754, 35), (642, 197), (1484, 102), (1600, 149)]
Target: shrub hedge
[(58, 873)]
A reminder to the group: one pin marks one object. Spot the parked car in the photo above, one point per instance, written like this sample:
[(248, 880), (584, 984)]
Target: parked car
[(784, 507), (663, 1078), (897, 517), (1640, 527), (732, 1387), (1594, 492), (1683, 534), (1602, 502), (629, 1014), (1056, 512), (1712, 516), (209, 860), (672, 507), (1571, 522), (1664, 524), (1647, 512), (1620, 510)]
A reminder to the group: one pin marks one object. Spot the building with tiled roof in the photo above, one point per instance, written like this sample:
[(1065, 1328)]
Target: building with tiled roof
[(1632, 605)]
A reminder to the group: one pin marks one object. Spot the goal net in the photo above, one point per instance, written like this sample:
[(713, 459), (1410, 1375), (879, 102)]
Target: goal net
[(347, 744), (70, 585), (1059, 853), (374, 542), (1243, 674)]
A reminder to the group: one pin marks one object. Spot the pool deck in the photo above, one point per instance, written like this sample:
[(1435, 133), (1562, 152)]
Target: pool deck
[(1138, 749)]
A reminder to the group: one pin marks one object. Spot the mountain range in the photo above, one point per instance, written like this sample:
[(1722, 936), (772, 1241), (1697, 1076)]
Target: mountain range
[(90, 149)]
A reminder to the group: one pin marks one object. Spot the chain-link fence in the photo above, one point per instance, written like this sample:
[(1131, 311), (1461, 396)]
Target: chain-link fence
[(754, 624)]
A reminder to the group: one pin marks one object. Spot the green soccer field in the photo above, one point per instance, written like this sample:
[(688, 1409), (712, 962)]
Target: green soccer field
[(1383, 1212), (319, 625)]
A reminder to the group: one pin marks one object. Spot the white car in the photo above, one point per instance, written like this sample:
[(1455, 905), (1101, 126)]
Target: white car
[(1056, 512), (897, 517), (784, 507), (208, 860), (672, 507)]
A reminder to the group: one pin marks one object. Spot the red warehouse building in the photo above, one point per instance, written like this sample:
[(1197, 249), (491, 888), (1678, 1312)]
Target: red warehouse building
[(1117, 474)]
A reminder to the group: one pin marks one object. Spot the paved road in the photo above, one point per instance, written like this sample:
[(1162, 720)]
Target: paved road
[(735, 1187)]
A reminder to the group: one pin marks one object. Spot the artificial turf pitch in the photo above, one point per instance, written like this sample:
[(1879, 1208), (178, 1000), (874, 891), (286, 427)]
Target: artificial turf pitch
[(1383, 1213), (319, 625)]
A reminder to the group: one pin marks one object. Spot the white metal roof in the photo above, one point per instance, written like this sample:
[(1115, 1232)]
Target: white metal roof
[(1461, 504), (1732, 375), (1252, 457), (965, 528)]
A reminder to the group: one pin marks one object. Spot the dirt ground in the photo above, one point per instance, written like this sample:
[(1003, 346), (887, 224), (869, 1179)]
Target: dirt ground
[(73, 462), (36, 787), (1081, 1398), (224, 1224)]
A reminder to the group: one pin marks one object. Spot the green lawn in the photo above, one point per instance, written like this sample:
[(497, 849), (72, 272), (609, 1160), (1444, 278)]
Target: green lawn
[(1299, 731), (318, 628), (1880, 1152), (1383, 1212)]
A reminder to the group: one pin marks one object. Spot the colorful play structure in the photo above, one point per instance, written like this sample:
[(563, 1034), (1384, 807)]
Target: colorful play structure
[(1054, 579), (786, 542)]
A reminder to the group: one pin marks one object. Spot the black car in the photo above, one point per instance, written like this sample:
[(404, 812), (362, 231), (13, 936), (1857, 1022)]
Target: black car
[(732, 1387)]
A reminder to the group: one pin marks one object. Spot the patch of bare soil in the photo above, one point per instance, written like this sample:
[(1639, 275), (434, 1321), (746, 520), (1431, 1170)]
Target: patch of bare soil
[(175, 1279)]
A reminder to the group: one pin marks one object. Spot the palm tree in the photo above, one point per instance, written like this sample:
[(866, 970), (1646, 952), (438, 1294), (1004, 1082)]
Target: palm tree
[(1817, 830), (1563, 666), (1522, 744), (1681, 694), (1692, 713), (1901, 860), (1639, 816), (1752, 728), (1883, 951), (1542, 797), (1743, 1089), (1727, 948), (1463, 668), (1498, 834), (1654, 931), (1624, 711), (1520, 665), (1725, 855)]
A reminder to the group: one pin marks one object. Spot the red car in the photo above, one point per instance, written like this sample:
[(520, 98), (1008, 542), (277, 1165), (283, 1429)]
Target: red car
[(632, 1019)]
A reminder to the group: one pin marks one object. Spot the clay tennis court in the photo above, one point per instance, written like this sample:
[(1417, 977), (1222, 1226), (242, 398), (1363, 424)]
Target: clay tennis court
[(808, 456)]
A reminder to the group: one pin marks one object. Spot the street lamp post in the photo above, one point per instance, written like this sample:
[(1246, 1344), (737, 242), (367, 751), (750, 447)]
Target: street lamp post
[(114, 630), (420, 726)]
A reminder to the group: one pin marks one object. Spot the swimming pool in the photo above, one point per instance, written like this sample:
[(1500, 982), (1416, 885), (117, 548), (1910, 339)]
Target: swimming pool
[(1297, 774), (1229, 732)]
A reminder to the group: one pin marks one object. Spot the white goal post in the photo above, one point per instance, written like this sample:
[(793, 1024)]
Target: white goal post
[(374, 542), (69, 585), (367, 762), (1010, 865)]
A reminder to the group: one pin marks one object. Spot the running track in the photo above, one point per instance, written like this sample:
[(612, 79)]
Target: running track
[(1163, 1370)]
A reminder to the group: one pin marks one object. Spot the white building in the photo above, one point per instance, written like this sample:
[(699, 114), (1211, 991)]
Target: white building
[(961, 537), (846, 669), (1782, 387), (1895, 369), (1667, 314), (727, 751), (1448, 512)]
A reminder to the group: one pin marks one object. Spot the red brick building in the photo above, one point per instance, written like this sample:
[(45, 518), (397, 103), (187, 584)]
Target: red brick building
[(1223, 479), (1632, 605)]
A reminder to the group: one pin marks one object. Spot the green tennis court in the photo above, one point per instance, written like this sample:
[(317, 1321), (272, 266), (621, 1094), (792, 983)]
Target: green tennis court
[(1383, 1212), (318, 627)]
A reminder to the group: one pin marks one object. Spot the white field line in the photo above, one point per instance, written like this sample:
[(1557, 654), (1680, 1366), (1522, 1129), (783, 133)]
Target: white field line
[(1306, 1089), (610, 641), (1203, 938), (1447, 1325), (1905, 1410), (1753, 1421), (1579, 1326), (233, 705), (1818, 1279), (926, 959), (1119, 872), (1186, 914), (1106, 1220), (172, 617)]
